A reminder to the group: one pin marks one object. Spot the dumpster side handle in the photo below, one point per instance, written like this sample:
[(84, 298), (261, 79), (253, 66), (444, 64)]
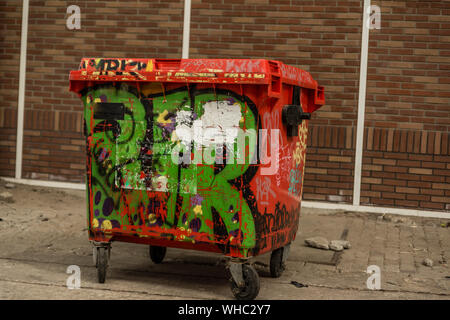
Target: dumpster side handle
[(292, 116)]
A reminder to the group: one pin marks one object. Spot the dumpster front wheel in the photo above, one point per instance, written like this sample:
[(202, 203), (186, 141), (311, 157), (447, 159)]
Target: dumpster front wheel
[(102, 263), (250, 288), (157, 253)]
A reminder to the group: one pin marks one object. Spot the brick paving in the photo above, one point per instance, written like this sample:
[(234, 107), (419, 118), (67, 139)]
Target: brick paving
[(398, 245)]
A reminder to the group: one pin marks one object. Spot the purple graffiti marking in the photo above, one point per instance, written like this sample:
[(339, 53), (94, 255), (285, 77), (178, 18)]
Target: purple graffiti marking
[(167, 128), (103, 155), (115, 224), (195, 224), (196, 200), (98, 197), (108, 206)]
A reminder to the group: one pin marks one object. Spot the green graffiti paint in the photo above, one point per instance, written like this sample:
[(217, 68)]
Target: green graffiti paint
[(135, 183)]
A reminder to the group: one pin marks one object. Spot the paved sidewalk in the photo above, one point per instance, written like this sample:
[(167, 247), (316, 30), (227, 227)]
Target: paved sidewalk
[(43, 232), (398, 245)]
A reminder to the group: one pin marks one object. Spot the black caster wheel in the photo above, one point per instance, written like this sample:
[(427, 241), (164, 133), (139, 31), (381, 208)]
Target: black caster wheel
[(157, 254), (276, 263), (251, 288), (102, 263)]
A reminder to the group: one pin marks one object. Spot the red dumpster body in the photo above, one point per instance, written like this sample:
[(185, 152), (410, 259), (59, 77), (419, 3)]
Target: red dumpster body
[(153, 179)]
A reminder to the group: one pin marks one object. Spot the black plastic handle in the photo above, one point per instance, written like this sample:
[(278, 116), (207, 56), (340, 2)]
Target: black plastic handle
[(292, 116)]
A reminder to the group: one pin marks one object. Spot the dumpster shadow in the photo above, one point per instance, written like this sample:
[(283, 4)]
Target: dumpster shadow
[(194, 274), (171, 283), (198, 274), (175, 277)]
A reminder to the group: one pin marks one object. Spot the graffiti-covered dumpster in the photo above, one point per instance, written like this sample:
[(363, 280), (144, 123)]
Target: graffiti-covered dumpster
[(203, 154)]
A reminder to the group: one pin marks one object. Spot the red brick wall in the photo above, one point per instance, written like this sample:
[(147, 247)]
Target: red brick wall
[(407, 151), (330, 164), (10, 29), (406, 146), (317, 36), (53, 141)]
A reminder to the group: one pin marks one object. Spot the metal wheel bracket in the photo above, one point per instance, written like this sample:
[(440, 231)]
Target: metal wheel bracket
[(96, 246), (101, 244), (237, 273)]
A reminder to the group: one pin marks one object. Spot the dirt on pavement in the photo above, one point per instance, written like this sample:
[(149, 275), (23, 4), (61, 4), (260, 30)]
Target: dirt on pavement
[(43, 231)]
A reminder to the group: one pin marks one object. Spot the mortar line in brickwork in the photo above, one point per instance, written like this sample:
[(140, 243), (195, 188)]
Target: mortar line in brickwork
[(361, 104)]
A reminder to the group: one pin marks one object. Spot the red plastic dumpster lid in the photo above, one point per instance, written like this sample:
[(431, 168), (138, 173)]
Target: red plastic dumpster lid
[(232, 71)]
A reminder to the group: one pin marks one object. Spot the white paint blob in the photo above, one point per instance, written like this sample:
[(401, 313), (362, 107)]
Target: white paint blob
[(217, 118), (218, 124)]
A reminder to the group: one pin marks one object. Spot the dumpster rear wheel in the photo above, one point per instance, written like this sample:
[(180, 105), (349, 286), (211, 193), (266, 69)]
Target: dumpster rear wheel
[(102, 263), (277, 265), (157, 253), (250, 289)]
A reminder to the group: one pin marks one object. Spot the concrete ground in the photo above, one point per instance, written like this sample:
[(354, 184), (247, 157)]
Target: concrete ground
[(43, 231)]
